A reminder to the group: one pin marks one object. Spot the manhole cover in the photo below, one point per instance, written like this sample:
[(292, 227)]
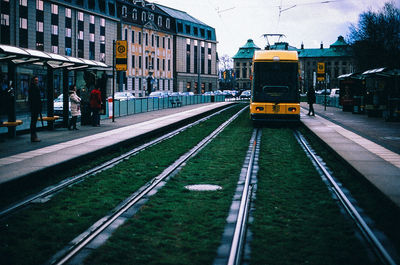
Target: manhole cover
[(203, 187)]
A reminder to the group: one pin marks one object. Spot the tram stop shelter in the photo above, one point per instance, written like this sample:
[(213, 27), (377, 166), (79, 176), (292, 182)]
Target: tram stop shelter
[(19, 65)]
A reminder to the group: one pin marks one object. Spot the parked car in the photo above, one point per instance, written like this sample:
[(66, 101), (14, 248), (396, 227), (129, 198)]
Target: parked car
[(121, 96), (59, 105), (245, 94), (188, 93), (323, 92), (158, 94)]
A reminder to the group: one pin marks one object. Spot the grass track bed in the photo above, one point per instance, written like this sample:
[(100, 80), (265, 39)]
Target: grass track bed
[(295, 219), (178, 226), (43, 229)]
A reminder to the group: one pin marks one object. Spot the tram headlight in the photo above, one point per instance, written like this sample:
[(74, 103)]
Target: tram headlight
[(292, 109), (259, 108)]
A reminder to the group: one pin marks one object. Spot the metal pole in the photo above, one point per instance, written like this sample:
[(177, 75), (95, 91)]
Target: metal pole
[(113, 86)]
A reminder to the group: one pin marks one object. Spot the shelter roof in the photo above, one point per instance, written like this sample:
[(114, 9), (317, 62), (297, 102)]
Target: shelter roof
[(22, 56)]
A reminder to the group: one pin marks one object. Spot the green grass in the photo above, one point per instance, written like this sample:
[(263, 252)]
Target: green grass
[(178, 226), (295, 219), (385, 214), (43, 229)]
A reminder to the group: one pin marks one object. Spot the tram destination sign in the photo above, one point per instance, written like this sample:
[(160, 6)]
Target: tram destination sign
[(121, 55)]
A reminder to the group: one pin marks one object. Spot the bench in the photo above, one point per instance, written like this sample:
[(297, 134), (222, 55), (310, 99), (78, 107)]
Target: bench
[(173, 103), (49, 118), (178, 102), (11, 123)]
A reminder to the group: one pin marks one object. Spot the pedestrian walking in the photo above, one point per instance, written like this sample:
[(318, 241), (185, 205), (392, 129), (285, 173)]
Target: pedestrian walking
[(75, 107), (35, 105), (311, 101), (95, 105)]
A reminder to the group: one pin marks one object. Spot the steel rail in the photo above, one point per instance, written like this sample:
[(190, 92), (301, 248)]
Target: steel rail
[(128, 204), (72, 180), (365, 229), (240, 228)]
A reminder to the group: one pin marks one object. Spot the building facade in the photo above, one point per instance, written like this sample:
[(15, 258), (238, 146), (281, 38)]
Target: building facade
[(77, 28), (242, 62), (149, 34), (338, 59), (195, 53)]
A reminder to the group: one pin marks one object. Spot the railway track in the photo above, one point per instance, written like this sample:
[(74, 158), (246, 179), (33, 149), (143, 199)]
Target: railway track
[(380, 251), (239, 234), (49, 191), (66, 255)]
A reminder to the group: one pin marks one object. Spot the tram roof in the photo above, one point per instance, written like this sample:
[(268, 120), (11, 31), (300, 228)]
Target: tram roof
[(275, 56), (23, 56)]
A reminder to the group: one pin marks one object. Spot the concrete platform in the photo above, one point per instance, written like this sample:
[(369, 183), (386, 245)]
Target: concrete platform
[(20, 158), (342, 132)]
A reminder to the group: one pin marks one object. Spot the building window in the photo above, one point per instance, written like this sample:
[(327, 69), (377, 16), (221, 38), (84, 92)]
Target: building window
[(196, 58), (168, 23), (126, 34), (124, 11), (187, 55), (133, 61), (54, 49), (80, 16), (151, 17), (158, 41), (133, 36), (152, 40), (159, 21), (5, 20), (169, 65), (158, 64), (102, 22), (140, 62), (91, 17), (134, 14), (39, 5), (68, 12), (91, 37), (147, 39), (23, 2), (54, 9), (169, 43), (39, 26), (54, 29), (23, 23), (143, 16), (140, 37), (80, 35)]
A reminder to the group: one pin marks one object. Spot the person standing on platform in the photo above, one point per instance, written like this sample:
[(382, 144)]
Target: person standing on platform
[(311, 101), (95, 105), (75, 107), (35, 105)]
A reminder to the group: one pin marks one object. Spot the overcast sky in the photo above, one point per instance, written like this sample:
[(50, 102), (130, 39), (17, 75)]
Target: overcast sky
[(310, 21)]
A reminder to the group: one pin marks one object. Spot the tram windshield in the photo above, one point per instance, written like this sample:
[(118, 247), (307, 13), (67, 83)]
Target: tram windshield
[(275, 82)]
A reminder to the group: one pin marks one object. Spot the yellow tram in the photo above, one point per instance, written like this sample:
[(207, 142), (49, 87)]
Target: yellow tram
[(274, 90)]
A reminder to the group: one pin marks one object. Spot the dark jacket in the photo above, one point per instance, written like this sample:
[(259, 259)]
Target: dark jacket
[(34, 98), (311, 96)]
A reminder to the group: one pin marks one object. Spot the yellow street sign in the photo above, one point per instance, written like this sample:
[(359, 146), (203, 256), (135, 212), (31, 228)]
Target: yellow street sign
[(321, 78), (120, 67), (121, 49), (320, 68)]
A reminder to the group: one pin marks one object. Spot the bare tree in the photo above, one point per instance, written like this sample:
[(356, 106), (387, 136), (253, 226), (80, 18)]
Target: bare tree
[(225, 62), (376, 38)]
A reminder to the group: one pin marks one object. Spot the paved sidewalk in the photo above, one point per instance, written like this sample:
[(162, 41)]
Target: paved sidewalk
[(343, 132)]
